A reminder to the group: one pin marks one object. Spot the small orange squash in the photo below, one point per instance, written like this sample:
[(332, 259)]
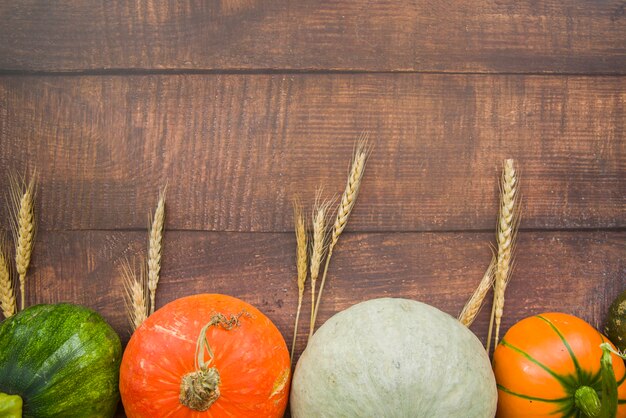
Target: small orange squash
[(205, 356), (548, 365)]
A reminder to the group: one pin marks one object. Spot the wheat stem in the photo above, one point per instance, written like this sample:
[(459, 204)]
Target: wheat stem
[(23, 222), (301, 263), (348, 199), (508, 220), (318, 248), (7, 291), (295, 329), (155, 243), (475, 302), (135, 294)]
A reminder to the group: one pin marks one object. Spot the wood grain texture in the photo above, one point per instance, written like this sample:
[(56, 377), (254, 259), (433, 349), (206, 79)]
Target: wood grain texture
[(573, 36), (573, 272), (238, 105), (235, 149)]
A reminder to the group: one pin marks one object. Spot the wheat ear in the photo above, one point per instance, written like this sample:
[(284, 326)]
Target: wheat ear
[(508, 220), (155, 244), (301, 262), (348, 199), (135, 294), (476, 301), (318, 249), (23, 222), (7, 289)]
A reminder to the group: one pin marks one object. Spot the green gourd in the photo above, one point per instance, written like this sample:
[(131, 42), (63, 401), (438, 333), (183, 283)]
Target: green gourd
[(393, 358), (615, 327), (58, 361)]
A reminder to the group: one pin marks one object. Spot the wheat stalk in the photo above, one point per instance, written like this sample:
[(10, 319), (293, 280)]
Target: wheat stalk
[(23, 223), (348, 199), (7, 291), (155, 242), (320, 211), (135, 294), (508, 221), (301, 262), (475, 302)]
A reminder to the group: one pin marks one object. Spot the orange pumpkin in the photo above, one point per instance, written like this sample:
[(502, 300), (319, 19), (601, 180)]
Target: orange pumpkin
[(205, 356), (548, 365)]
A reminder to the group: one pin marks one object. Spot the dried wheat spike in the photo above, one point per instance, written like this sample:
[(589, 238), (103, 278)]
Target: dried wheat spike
[(476, 301), (7, 289), (135, 294), (318, 248), (508, 221), (348, 198), (155, 245), (23, 223), (346, 204)]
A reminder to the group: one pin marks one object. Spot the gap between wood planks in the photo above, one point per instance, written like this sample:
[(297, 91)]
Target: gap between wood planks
[(377, 231), (243, 71)]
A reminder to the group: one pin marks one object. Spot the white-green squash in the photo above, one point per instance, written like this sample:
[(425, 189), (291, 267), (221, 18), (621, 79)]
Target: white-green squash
[(393, 358)]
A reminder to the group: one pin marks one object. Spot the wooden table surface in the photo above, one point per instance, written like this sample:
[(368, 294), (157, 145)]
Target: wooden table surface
[(238, 105)]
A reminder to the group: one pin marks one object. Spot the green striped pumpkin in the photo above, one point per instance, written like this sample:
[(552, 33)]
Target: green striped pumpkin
[(58, 361), (553, 365)]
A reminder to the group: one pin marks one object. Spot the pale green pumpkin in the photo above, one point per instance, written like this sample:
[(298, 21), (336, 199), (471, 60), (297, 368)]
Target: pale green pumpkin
[(393, 358)]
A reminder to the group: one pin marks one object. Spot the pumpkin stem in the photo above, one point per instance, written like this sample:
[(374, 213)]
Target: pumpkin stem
[(10, 406), (587, 400), (200, 388), (609, 384)]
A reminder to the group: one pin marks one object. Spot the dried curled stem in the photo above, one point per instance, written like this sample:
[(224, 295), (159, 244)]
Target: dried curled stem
[(23, 225), (200, 388), (155, 244), (348, 199), (7, 288), (318, 248), (135, 297), (476, 301), (508, 221), (301, 262)]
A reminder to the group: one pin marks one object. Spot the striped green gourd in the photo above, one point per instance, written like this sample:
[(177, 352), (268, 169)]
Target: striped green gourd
[(58, 361)]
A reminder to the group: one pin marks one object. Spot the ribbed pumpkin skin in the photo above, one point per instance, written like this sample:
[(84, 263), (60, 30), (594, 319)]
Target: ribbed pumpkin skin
[(536, 366), (252, 360), (393, 358), (63, 360)]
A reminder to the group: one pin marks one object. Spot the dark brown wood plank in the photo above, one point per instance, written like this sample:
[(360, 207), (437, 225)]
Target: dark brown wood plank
[(235, 149), (574, 36), (575, 272)]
